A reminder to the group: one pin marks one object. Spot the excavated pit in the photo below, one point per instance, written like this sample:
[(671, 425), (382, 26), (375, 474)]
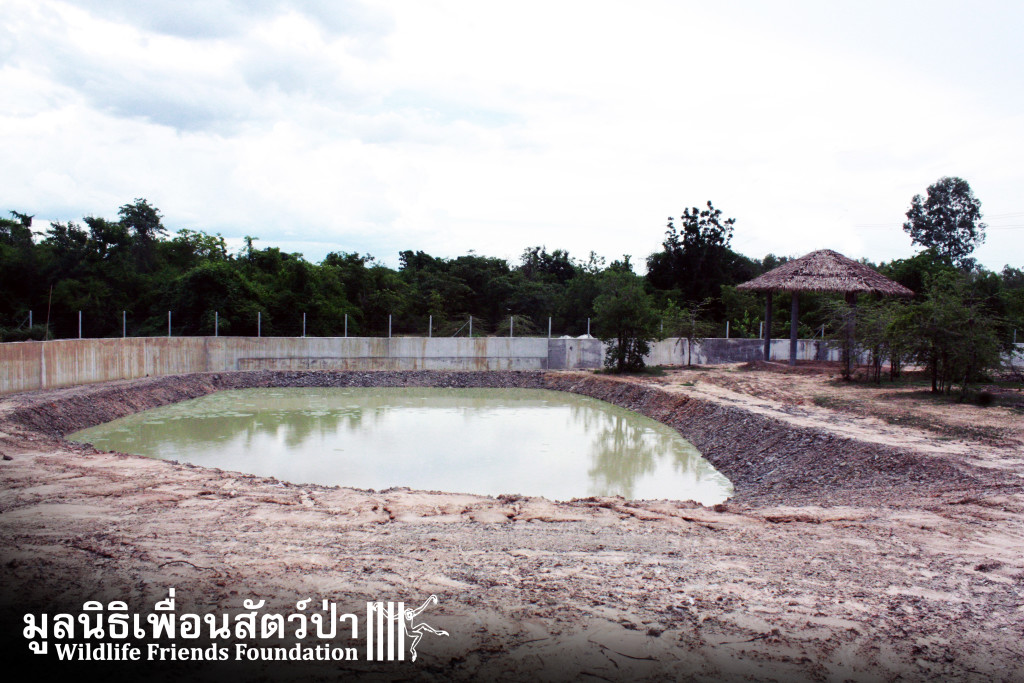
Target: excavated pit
[(837, 559), (768, 461)]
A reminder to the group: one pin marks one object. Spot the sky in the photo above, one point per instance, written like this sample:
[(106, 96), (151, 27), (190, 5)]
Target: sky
[(458, 126)]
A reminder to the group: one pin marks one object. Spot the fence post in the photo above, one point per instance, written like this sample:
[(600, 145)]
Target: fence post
[(168, 323), (259, 323), (303, 324), (389, 326), (549, 327), (511, 322), (30, 321), (124, 324), (470, 327), (79, 324), (216, 323), (346, 325), (726, 329), (588, 327), (430, 327)]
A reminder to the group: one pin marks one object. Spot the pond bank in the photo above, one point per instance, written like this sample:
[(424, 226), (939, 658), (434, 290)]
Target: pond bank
[(767, 460), (844, 559)]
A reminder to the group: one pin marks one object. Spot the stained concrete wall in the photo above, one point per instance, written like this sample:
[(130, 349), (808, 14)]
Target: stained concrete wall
[(673, 351), (25, 366), (567, 354)]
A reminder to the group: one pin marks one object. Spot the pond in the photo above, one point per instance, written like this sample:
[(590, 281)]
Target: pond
[(531, 442)]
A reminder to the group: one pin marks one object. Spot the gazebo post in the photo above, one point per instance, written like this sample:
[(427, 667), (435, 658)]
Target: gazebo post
[(851, 300), (793, 315), (768, 325)]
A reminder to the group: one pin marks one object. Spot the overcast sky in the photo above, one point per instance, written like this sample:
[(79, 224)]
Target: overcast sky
[(457, 126)]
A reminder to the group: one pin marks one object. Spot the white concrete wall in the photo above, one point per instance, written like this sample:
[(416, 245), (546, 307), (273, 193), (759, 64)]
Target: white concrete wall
[(25, 366), (673, 351), (1016, 359)]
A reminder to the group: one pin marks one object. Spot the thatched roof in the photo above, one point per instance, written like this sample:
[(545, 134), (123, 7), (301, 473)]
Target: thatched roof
[(825, 271)]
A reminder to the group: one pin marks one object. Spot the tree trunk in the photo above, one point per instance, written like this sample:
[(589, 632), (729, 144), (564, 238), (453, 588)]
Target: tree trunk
[(794, 308), (851, 300)]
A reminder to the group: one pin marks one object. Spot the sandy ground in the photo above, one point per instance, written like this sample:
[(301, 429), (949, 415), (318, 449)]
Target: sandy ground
[(901, 415), (876, 587)]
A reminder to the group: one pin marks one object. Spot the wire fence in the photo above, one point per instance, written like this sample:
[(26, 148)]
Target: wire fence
[(260, 324)]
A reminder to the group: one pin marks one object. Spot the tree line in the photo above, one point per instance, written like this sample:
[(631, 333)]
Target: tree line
[(102, 267)]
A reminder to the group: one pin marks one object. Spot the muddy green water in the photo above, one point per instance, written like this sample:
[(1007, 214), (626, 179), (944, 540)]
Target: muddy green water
[(484, 441)]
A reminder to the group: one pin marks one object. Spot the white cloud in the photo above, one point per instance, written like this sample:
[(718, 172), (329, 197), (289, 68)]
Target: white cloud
[(457, 125)]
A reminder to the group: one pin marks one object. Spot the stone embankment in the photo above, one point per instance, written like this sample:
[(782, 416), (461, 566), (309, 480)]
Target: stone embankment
[(767, 460)]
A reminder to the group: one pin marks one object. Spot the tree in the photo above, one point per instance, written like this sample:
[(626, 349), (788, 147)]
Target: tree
[(625, 319), (537, 263), (743, 311), (914, 272), (688, 323), (954, 334), (142, 220), (696, 259), (948, 220), (883, 329)]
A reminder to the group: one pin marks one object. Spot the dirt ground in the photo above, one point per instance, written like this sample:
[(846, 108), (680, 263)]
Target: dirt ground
[(897, 414), (913, 580)]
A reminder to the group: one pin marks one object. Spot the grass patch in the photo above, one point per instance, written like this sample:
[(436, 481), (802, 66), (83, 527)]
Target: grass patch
[(905, 380), (904, 419), (649, 371), (833, 402)]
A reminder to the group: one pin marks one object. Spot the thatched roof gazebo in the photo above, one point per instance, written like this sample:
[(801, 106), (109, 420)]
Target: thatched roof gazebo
[(819, 271)]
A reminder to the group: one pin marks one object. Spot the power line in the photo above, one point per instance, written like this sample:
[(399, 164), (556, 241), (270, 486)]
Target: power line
[(891, 226)]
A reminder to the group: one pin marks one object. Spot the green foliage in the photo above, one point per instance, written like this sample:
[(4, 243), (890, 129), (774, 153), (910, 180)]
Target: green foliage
[(743, 310), (103, 267), (1011, 294), (537, 263), (22, 333), (915, 272), (885, 329), (521, 326), (954, 335), (688, 323), (948, 220), (625, 318), (696, 259), (949, 330)]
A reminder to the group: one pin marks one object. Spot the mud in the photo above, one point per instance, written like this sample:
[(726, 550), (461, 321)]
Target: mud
[(839, 558)]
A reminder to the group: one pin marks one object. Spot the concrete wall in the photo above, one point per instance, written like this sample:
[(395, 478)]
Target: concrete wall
[(25, 366), (1015, 359), (715, 350), (567, 354)]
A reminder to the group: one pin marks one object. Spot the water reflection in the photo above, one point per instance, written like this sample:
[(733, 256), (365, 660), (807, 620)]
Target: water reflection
[(488, 441)]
